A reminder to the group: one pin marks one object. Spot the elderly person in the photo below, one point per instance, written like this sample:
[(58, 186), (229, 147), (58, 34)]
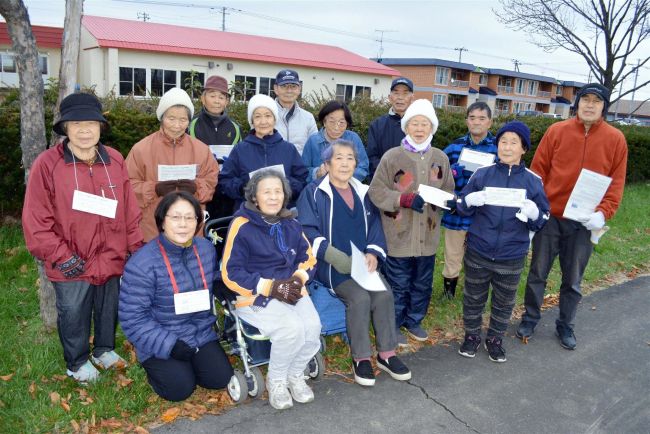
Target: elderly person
[(163, 153), (175, 341), (332, 210), (294, 123), (263, 147), (80, 217), (335, 117), (412, 227), (267, 260)]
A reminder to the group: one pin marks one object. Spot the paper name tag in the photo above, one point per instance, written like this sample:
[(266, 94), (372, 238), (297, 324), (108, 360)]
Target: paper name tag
[(175, 172), (193, 301), (93, 204)]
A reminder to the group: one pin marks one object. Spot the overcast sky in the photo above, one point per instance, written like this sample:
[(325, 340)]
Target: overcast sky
[(432, 28)]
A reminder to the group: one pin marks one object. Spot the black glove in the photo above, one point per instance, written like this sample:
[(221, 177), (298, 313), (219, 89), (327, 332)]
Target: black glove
[(72, 267), (286, 290), (182, 351), (186, 185), (452, 205), (164, 187)]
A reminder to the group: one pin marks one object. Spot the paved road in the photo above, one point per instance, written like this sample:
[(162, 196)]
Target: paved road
[(602, 387)]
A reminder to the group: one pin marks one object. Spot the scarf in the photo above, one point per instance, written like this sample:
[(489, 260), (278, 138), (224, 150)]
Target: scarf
[(409, 144), (275, 223)]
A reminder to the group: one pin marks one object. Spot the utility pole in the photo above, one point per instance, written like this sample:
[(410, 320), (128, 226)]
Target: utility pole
[(517, 63), (381, 42), (636, 75), (460, 52), (223, 19), (144, 16), (618, 103)]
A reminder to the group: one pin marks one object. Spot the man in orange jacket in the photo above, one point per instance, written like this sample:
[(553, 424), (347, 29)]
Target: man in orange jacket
[(583, 142)]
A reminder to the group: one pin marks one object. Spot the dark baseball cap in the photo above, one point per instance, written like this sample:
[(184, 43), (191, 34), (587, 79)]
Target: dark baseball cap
[(287, 76), (402, 80)]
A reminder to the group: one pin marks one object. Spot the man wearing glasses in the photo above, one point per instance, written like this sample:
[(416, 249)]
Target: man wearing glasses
[(295, 124)]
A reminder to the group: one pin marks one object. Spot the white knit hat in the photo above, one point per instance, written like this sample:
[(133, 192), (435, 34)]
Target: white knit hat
[(174, 96), (261, 100), (421, 107)]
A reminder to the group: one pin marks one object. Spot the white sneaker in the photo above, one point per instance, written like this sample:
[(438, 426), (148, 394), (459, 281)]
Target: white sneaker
[(108, 360), (279, 396), (86, 374), (299, 390)]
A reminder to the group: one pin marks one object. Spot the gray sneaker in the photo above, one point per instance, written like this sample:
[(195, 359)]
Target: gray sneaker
[(418, 333)]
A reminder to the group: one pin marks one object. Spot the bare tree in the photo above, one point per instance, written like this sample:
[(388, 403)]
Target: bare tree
[(606, 33)]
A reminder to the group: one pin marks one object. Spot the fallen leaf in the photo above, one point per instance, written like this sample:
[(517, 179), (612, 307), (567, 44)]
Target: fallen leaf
[(23, 268), (75, 425), (59, 377), (7, 377), (23, 289), (65, 406), (55, 397), (123, 381), (524, 339), (140, 430), (170, 414), (32, 390)]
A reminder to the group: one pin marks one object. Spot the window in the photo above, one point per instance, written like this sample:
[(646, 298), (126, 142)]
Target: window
[(439, 100), (344, 92), (520, 86), (266, 86), (42, 63), (558, 90), (192, 81), (8, 63), (532, 87), (245, 87), (442, 75), (454, 100), (483, 79), (362, 91), (161, 81), (502, 105), (133, 81)]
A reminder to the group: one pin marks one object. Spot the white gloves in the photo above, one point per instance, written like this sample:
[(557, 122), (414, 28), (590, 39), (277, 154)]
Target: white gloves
[(595, 222), (528, 211), (477, 198)]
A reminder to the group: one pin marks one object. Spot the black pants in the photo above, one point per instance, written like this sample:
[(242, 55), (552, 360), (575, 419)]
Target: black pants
[(175, 380)]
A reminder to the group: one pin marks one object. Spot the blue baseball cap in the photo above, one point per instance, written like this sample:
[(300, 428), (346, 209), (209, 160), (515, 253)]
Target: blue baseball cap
[(287, 76), (402, 80)]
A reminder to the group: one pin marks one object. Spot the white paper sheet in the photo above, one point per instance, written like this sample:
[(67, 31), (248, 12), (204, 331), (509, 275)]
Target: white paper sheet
[(589, 190), (277, 168), (361, 275), (472, 160), (434, 195), (221, 151), (510, 197), (167, 172)]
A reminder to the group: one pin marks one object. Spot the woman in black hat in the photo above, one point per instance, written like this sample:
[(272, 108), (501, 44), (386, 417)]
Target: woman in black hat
[(81, 218)]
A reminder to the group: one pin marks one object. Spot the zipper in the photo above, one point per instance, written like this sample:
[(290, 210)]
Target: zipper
[(184, 260), (500, 227)]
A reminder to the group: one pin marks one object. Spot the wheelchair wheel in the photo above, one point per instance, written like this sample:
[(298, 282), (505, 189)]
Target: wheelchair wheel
[(256, 385), (323, 344), (237, 387), (316, 367)]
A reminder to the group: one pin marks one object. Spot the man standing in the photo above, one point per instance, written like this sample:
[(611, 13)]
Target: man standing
[(295, 124), (385, 132), (479, 138), (568, 147)]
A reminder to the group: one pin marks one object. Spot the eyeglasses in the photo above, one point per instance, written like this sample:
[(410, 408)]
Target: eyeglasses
[(341, 123), (182, 218)]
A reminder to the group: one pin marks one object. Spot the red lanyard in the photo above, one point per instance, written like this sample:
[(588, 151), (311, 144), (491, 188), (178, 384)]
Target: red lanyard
[(171, 273)]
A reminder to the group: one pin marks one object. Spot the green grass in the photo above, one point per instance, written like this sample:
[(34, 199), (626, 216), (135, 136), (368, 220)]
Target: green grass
[(35, 360)]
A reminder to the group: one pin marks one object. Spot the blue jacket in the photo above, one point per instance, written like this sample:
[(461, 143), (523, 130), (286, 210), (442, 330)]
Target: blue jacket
[(315, 215), (384, 133), (495, 232), (258, 252), (455, 221), (146, 307), (317, 143), (254, 153)]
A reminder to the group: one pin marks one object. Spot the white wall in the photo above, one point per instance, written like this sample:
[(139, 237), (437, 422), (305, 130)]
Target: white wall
[(10, 79)]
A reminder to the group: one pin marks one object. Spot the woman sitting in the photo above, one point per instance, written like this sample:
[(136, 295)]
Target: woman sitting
[(331, 211), (166, 304), (335, 117), (266, 261)]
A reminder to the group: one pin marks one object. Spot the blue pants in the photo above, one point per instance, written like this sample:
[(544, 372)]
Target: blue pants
[(412, 282)]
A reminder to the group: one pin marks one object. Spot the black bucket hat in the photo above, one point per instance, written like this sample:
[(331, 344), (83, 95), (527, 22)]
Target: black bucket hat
[(79, 107)]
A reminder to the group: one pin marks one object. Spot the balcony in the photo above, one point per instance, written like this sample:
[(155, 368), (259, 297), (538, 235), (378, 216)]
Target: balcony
[(458, 83), (455, 108), (498, 112), (543, 94), (504, 89)]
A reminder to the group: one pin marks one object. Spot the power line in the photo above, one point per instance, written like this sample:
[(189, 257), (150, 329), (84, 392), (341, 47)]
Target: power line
[(460, 52)]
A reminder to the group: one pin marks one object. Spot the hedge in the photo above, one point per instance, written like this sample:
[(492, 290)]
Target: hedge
[(132, 119)]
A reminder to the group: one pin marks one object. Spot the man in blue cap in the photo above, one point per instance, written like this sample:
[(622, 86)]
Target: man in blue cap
[(295, 124), (385, 132)]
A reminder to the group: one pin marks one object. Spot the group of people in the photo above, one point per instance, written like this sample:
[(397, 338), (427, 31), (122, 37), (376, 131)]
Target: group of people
[(300, 208)]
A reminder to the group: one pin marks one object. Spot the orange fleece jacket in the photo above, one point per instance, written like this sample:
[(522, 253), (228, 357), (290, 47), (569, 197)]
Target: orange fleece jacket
[(565, 150)]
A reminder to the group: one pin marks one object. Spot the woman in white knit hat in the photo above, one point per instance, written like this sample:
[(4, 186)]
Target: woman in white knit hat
[(411, 226), (155, 163), (262, 147)]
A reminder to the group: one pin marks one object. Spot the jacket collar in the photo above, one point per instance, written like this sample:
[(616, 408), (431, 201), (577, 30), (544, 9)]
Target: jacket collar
[(101, 150), (170, 248), (271, 139), (256, 218), (470, 142), (357, 186), (393, 115), (167, 141), (593, 128), (515, 169)]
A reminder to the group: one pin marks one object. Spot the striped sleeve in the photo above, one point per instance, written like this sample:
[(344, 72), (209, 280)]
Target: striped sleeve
[(307, 264)]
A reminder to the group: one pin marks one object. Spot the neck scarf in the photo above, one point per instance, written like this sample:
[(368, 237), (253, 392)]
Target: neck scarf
[(409, 144)]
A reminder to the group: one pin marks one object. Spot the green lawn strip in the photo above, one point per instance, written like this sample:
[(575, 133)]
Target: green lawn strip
[(36, 362)]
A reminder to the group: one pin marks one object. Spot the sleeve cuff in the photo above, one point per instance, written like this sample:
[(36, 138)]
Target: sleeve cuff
[(302, 275), (264, 287)]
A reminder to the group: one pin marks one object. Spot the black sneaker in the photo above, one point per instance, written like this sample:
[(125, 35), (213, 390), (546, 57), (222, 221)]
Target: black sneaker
[(525, 330), (495, 349), (470, 346), (566, 335), (363, 373), (395, 368)]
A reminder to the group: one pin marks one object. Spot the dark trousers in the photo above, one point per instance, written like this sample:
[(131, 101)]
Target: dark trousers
[(571, 241), (504, 277), (77, 302), (360, 307), (175, 380), (412, 282)]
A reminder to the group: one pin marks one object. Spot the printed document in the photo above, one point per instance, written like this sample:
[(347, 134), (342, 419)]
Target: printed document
[(586, 195), (168, 172), (434, 196), (472, 160), (361, 275), (511, 197), (221, 151)]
